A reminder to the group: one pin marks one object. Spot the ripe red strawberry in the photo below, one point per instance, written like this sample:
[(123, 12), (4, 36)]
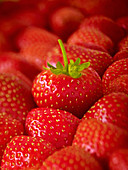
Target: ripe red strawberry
[(91, 35), (123, 44), (105, 25), (108, 8), (15, 61), (99, 61), (119, 159), (119, 84), (100, 139), (112, 108), (67, 88), (15, 96), (9, 127), (120, 55), (33, 35), (115, 70), (123, 22), (4, 45), (34, 54), (65, 20), (71, 157), (26, 152), (53, 125)]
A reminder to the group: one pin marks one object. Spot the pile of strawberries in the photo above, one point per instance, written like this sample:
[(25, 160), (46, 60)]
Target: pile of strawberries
[(64, 85)]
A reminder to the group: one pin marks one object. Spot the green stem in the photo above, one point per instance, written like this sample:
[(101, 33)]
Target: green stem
[(64, 55)]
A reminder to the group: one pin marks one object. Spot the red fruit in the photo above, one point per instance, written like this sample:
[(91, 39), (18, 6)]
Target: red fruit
[(91, 35), (67, 88), (15, 96), (4, 45), (105, 25), (119, 159), (92, 46), (14, 61), (111, 108), (108, 8), (9, 127), (71, 157), (123, 22), (33, 35), (99, 61), (26, 152), (65, 20), (100, 139), (120, 55), (123, 44), (34, 54), (119, 84), (53, 125), (115, 70)]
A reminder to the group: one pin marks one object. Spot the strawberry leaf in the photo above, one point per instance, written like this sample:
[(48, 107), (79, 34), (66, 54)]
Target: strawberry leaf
[(72, 69)]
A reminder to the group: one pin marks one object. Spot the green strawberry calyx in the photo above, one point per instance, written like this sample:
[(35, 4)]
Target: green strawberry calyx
[(72, 68)]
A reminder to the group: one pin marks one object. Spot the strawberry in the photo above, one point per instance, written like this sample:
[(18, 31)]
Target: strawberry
[(9, 127), (119, 84), (53, 125), (33, 35), (100, 139), (65, 20), (15, 96), (71, 157), (123, 44), (123, 22), (115, 70), (47, 5), (120, 55), (26, 152), (34, 54), (99, 61), (103, 7), (119, 159), (4, 45), (91, 35), (15, 61), (67, 88), (106, 25), (110, 108)]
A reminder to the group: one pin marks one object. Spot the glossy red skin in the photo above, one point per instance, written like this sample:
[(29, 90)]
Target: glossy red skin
[(54, 125), (91, 35), (100, 139), (33, 35), (120, 55), (123, 22), (9, 127), (111, 108), (26, 152), (66, 93), (99, 60), (71, 157), (103, 7), (15, 61), (65, 20), (116, 69), (119, 159), (4, 44), (35, 54), (123, 44), (16, 97), (119, 84), (106, 25)]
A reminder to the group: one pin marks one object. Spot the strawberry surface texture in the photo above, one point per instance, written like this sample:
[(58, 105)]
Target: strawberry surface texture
[(63, 85)]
